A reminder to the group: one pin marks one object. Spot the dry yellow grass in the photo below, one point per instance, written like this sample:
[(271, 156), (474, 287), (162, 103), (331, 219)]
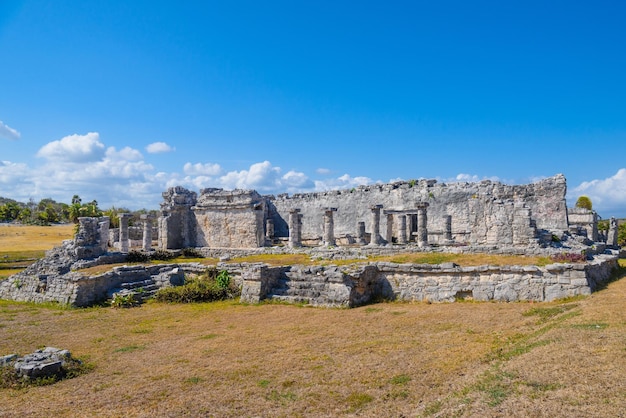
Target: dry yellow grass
[(33, 238), (20, 245), (563, 358)]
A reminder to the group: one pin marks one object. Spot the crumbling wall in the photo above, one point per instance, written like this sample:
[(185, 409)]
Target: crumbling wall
[(232, 219), (585, 221), (482, 213), (353, 286), (177, 223)]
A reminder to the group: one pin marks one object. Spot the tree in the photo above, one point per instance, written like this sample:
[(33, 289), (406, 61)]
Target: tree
[(584, 202)]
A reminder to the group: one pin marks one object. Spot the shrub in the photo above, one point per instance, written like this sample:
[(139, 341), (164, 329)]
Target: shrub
[(205, 288), (192, 253), (584, 202), (223, 279), (124, 301), (162, 255), (137, 257), (569, 258)]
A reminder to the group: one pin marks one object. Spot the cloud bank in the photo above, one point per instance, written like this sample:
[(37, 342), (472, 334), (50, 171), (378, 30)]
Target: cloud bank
[(607, 195), (84, 165)]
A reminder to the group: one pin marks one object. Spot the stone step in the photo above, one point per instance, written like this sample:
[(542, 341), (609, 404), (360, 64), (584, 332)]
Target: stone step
[(296, 284), (145, 284), (306, 293), (290, 299)]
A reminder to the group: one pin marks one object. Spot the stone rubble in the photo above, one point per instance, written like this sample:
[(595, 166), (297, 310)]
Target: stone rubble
[(45, 362)]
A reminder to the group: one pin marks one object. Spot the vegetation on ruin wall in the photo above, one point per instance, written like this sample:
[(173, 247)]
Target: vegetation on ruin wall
[(562, 358)]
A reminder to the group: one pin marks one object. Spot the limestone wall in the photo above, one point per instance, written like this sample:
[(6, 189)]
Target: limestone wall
[(229, 219), (584, 219), (330, 286), (482, 213)]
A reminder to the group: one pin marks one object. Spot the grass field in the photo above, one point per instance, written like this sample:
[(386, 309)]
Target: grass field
[(20, 245), (565, 358)]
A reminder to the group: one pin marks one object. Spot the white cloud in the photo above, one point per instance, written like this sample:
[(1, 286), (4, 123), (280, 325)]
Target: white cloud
[(471, 178), (159, 147), (198, 169), (607, 195), (343, 182), (126, 154), (323, 171), (261, 177), (74, 148), (7, 132)]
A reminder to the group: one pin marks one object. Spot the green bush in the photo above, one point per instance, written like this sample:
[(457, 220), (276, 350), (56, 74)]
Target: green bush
[(584, 202), (124, 301), (162, 255), (205, 288), (137, 257), (192, 253), (223, 279)]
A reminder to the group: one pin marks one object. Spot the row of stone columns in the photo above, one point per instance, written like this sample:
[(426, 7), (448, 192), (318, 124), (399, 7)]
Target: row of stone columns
[(124, 235), (403, 227)]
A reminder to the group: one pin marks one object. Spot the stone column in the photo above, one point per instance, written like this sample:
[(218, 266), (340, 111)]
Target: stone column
[(147, 232), (104, 223), (389, 234), (422, 231), (269, 232), (360, 233), (611, 239), (124, 242), (402, 229), (447, 229), (329, 227), (376, 238), (409, 227), (294, 228)]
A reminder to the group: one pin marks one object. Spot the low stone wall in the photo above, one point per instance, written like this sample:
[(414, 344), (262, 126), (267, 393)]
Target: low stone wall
[(76, 289), (446, 282)]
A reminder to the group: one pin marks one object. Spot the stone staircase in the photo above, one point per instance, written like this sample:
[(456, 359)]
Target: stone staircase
[(294, 287), (141, 289)]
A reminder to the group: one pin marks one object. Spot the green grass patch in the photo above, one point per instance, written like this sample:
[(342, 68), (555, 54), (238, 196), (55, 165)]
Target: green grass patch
[(357, 400), (129, 348), (547, 313), (194, 380), (596, 326), (400, 379)]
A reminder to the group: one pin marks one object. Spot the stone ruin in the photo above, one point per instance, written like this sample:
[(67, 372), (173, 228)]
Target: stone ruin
[(423, 212), (45, 362), (350, 224)]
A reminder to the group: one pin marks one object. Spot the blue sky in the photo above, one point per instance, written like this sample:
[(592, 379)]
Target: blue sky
[(117, 100)]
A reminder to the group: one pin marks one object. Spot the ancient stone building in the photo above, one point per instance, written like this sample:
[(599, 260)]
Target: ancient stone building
[(424, 212)]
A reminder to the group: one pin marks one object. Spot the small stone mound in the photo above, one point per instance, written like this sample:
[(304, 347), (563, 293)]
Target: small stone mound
[(43, 363)]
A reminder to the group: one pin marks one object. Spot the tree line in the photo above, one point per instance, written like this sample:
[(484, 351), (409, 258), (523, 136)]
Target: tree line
[(48, 211)]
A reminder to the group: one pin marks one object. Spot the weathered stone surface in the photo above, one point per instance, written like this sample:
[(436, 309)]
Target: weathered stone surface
[(41, 363), (435, 283)]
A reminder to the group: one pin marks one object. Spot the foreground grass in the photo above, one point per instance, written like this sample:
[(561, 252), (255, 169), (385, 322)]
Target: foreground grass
[(563, 358)]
